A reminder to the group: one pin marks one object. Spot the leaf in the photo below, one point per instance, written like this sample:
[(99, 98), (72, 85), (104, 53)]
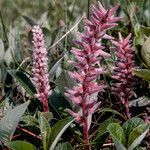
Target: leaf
[(24, 81), (145, 30), (53, 68), (117, 135), (137, 135), (20, 145), (9, 122), (1, 50), (58, 130), (64, 81), (4, 33), (45, 130), (141, 148), (58, 101), (102, 133), (64, 146), (129, 125), (30, 120), (140, 102), (30, 20), (145, 52), (47, 36), (143, 73)]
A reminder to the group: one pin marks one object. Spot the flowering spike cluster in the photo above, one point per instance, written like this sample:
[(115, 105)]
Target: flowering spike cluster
[(88, 57), (40, 67), (123, 71)]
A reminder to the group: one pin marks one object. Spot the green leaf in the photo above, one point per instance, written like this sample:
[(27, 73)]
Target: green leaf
[(64, 146), (24, 81), (129, 125), (117, 135), (47, 36), (30, 20), (102, 133), (141, 148), (1, 50), (143, 73), (145, 30), (145, 52), (9, 122), (58, 129), (140, 102), (58, 101), (137, 135), (45, 130), (30, 120), (20, 145), (64, 81), (5, 38), (55, 65)]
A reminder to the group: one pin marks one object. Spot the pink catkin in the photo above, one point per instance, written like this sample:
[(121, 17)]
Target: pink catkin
[(40, 67), (123, 71), (88, 57)]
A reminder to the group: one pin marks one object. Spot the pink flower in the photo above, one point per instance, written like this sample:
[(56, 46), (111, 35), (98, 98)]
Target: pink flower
[(88, 58), (40, 67), (123, 87)]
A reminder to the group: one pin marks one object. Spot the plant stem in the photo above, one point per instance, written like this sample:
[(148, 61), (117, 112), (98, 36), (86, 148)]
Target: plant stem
[(45, 104), (86, 134), (85, 125), (128, 114)]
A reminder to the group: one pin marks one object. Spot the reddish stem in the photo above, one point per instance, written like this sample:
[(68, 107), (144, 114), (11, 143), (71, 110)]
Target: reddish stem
[(128, 114), (85, 125), (45, 104), (86, 134)]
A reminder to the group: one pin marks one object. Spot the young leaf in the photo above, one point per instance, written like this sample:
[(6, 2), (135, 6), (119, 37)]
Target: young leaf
[(137, 135), (20, 145), (117, 135), (9, 122), (58, 130), (24, 81)]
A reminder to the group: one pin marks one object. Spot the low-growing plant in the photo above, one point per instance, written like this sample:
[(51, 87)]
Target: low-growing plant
[(44, 78)]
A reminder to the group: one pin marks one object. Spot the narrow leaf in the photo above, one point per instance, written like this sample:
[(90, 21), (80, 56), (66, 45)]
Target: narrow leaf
[(30, 20), (58, 130), (24, 81)]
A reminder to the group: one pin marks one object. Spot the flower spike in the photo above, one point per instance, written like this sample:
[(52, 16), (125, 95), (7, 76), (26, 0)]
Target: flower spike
[(40, 67), (123, 87)]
